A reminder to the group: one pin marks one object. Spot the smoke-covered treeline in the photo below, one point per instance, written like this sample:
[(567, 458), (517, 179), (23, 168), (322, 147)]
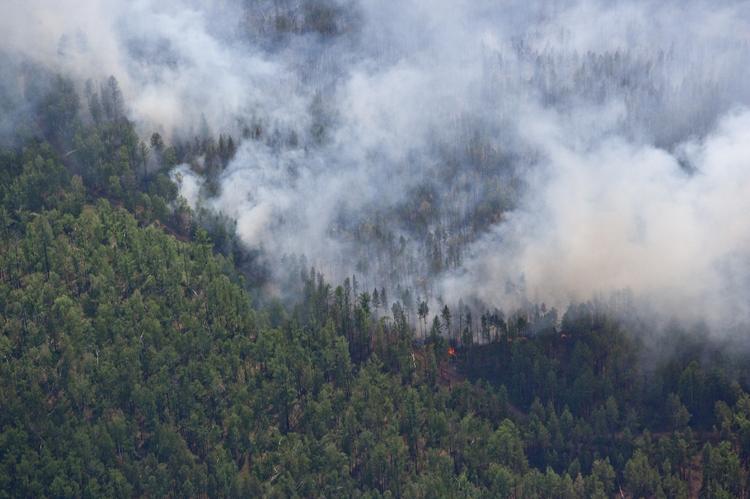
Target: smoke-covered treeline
[(499, 154)]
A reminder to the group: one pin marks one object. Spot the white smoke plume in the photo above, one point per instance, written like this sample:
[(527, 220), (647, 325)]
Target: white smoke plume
[(178, 62), (501, 151), (617, 216)]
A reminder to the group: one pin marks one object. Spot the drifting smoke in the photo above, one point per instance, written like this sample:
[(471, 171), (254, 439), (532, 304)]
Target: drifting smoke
[(616, 216), (463, 148), (178, 62)]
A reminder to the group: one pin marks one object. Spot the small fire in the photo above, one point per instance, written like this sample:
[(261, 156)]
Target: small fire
[(451, 351)]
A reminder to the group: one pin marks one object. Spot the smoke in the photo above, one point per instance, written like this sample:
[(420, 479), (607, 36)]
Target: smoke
[(612, 215), (465, 149), (179, 63)]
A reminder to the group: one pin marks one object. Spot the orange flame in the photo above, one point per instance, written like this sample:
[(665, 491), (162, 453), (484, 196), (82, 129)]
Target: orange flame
[(451, 351)]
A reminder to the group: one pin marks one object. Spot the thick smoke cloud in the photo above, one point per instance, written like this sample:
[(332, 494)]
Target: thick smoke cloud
[(504, 152), (618, 216), (179, 63)]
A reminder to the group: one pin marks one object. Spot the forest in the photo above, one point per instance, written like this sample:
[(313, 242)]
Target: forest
[(374, 279)]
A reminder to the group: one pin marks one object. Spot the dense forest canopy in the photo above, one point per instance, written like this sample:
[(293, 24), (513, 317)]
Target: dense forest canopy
[(330, 248)]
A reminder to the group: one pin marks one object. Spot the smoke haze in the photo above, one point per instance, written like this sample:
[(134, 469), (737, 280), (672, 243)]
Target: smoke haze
[(467, 149)]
